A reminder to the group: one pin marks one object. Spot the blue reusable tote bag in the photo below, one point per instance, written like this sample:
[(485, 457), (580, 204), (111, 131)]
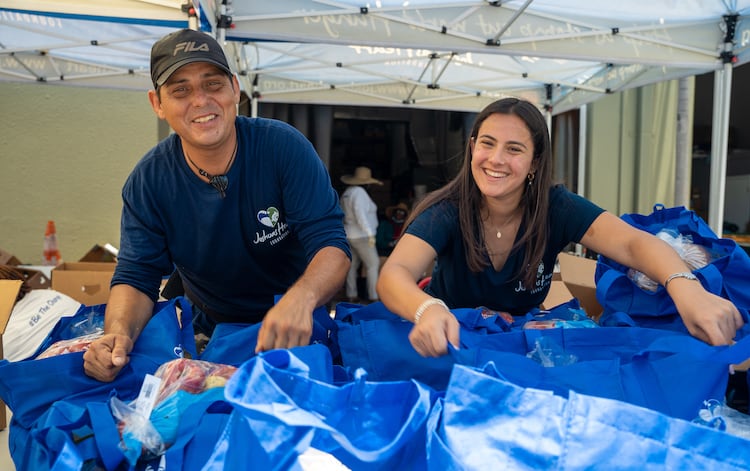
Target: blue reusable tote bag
[(25, 386), (365, 425), (234, 344), (31, 387), (627, 304), (666, 371), (484, 421), (374, 339)]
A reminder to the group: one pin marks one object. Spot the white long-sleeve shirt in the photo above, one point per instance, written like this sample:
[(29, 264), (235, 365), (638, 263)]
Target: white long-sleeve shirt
[(360, 213)]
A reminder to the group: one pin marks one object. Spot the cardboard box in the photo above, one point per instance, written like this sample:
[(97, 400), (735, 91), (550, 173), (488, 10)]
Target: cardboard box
[(36, 279), (7, 258), (558, 294), (86, 282), (100, 253), (578, 275), (8, 293)]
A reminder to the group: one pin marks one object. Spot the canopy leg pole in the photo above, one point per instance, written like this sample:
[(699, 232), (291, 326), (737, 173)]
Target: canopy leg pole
[(582, 136), (683, 163), (719, 140)]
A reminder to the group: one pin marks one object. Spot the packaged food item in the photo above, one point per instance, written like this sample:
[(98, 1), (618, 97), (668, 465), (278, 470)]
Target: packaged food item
[(61, 347), (192, 376), (694, 255), (560, 323)]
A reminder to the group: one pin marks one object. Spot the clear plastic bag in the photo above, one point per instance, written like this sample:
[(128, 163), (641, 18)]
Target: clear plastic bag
[(719, 416), (695, 257), (139, 438), (181, 383), (61, 347), (547, 352)]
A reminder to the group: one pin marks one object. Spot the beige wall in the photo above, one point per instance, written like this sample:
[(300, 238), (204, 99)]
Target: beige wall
[(64, 155), (66, 151), (631, 149)]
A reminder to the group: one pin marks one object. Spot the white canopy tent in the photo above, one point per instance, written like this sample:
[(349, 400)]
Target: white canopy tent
[(437, 54)]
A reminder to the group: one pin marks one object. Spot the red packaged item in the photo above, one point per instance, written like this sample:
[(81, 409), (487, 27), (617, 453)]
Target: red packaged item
[(193, 376), (61, 347)]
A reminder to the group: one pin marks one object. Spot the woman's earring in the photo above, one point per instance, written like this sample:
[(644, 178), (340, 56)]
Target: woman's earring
[(530, 178)]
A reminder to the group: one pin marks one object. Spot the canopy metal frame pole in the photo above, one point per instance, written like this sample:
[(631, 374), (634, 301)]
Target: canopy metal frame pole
[(683, 150), (719, 139), (720, 127)]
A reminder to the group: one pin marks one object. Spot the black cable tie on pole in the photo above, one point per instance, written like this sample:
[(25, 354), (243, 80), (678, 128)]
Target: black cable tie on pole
[(608, 91), (364, 10), (443, 29), (525, 75), (224, 21), (615, 31), (94, 42), (339, 64), (189, 9), (493, 42), (433, 86), (495, 3), (728, 57)]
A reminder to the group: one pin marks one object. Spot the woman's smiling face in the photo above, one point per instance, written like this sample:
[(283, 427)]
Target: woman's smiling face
[(501, 156)]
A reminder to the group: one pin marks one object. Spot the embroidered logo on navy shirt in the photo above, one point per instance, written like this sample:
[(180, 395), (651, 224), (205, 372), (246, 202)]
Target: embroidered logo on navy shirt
[(271, 218)]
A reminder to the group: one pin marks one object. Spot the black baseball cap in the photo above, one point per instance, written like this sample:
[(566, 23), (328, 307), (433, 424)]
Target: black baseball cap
[(181, 48)]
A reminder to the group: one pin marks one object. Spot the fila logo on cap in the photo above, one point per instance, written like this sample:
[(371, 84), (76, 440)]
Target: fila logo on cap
[(190, 46)]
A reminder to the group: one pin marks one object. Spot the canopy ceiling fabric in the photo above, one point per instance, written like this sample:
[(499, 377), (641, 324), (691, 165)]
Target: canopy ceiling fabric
[(461, 55), (436, 54)]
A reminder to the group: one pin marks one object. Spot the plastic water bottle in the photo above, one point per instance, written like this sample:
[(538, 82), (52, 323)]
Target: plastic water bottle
[(51, 251)]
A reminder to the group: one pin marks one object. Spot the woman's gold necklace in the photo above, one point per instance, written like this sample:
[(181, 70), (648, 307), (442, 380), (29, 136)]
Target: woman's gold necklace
[(499, 233)]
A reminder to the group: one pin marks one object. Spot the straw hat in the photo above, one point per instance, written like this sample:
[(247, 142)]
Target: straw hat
[(362, 176), (391, 209)]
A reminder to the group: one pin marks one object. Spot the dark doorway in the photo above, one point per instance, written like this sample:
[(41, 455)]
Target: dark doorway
[(385, 146)]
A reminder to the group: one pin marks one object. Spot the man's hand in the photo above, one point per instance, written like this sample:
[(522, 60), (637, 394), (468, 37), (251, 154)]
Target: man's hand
[(288, 324), (106, 356)]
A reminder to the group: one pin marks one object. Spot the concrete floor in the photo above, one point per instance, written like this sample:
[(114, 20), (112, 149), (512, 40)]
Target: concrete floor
[(6, 464)]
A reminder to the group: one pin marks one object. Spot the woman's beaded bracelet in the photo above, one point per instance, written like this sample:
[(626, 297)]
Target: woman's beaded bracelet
[(423, 307)]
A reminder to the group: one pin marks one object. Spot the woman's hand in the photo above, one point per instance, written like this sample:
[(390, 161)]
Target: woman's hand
[(435, 329), (707, 316)]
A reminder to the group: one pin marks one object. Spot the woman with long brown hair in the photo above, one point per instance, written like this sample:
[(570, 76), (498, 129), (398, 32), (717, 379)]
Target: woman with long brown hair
[(496, 229)]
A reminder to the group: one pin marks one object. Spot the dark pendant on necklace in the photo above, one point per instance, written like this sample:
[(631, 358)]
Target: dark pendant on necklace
[(220, 182)]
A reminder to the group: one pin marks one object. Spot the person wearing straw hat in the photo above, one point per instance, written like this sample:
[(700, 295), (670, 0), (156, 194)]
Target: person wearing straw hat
[(361, 224)]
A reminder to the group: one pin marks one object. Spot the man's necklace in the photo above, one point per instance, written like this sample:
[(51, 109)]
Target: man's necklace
[(220, 182)]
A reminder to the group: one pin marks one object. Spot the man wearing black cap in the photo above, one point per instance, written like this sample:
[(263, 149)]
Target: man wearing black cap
[(241, 208)]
